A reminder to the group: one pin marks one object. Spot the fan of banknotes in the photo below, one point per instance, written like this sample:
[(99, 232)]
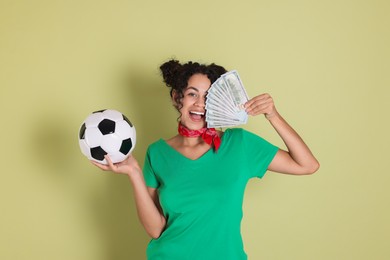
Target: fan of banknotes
[(225, 102)]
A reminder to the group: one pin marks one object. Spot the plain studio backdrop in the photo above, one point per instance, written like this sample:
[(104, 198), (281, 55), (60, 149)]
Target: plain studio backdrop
[(326, 63)]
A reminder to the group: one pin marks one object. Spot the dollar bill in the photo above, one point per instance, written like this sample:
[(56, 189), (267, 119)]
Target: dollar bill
[(217, 97), (236, 88)]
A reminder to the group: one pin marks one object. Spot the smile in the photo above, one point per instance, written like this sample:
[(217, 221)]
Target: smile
[(196, 115)]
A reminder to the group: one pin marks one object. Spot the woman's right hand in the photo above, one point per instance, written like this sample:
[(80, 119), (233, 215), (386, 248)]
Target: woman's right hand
[(128, 166)]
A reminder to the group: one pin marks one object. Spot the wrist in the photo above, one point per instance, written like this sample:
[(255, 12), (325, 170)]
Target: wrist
[(135, 175), (272, 116)]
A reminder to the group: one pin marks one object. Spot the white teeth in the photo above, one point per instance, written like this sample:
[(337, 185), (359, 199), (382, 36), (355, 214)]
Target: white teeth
[(197, 113)]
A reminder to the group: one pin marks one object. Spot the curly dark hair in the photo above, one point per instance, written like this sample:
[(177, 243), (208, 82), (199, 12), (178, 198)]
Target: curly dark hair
[(176, 75)]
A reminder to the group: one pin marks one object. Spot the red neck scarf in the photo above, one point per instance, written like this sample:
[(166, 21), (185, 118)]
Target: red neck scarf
[(209, 135)]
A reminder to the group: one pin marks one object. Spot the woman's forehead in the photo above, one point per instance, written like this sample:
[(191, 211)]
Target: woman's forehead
[(198, 82)]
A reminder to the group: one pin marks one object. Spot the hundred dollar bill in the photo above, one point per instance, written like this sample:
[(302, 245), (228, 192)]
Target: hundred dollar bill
[(217, 98), (213, 109), (221, 124), (236, 88), (217, 119)]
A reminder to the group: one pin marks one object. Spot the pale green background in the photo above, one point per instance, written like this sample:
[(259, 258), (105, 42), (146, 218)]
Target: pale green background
[(326, 63)]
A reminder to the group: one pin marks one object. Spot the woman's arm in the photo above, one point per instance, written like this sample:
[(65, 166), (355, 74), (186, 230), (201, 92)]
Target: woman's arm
[(298, 159), (146, 199)]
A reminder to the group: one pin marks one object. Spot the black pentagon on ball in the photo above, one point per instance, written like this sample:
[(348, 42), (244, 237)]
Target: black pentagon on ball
[(107, 126), (127, 120), (98, 153), (82, 131), (126, 146), (99, 111)]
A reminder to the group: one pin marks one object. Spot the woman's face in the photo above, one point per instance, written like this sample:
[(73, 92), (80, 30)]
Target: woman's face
[(193, 109)]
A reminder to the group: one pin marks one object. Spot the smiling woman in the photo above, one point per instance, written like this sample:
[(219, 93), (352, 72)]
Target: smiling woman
[(193, 101), (190, 192)]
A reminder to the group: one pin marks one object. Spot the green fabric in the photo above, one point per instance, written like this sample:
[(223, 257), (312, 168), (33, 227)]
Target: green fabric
[(202, 199)]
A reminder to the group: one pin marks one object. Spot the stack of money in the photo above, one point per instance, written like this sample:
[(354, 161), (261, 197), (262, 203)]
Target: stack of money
[(225, 101)]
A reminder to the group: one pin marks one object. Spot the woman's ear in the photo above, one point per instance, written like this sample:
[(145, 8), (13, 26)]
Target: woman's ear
[(174, 98)]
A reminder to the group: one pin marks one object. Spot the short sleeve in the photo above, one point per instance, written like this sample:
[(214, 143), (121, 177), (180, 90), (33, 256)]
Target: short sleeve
[(259, 153), (149, 174)]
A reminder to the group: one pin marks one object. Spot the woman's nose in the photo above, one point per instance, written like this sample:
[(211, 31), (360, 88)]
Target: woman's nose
[(200, 102)]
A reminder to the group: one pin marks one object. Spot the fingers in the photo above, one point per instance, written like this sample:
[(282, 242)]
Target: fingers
[(252, 103), (109, 162), (127, 166), (261, 104), (109, 167), (101, 166)]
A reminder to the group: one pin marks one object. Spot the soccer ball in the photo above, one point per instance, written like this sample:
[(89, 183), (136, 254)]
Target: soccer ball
[(107, 132)]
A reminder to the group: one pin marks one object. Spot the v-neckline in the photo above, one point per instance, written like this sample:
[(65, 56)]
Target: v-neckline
[(210, 150), (200, 158)]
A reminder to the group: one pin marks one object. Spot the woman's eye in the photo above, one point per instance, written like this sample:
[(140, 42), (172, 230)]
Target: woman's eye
[(192, 94)]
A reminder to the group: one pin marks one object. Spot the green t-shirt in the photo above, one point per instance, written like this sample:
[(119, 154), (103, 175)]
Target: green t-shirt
[(202, 199)]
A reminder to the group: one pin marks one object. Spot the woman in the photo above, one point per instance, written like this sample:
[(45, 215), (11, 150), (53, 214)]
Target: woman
[(189, 195)]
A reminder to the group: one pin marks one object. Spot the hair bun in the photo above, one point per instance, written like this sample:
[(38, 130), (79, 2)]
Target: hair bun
[(169, 71)]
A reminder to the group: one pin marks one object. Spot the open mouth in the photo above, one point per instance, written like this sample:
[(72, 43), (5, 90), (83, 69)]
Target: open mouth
[(196, 115)]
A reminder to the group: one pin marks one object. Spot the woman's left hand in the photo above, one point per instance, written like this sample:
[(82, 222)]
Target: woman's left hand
[(261, 104)]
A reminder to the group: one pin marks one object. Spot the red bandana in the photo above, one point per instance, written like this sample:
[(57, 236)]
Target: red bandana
[(209, 135)]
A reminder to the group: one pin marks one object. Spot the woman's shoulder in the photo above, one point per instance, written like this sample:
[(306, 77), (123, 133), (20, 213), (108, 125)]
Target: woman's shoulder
[(231, 134), (240, 134), (162, 143), (157, 144), (234, 131)]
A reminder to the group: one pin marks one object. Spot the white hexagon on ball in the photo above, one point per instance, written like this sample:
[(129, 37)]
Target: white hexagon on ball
[(93, 120), (112, 115), (93, 136), (111, 143)]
